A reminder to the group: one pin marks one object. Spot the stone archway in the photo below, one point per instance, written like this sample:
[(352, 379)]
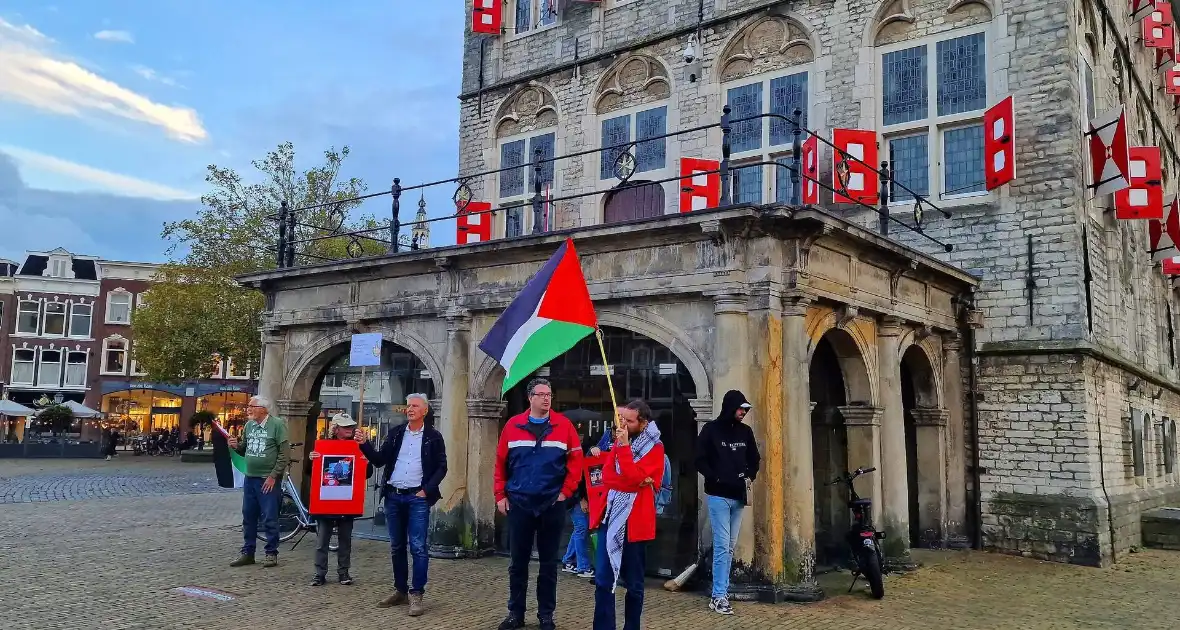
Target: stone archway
[(305, 369), (926, 446), (845, 429)]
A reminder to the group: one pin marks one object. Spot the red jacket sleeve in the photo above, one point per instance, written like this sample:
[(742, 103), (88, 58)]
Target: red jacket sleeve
[(632, 473), (573, 462), (501, 477)]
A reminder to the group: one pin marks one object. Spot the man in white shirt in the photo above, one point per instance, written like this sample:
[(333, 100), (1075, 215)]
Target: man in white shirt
[(414, 459)]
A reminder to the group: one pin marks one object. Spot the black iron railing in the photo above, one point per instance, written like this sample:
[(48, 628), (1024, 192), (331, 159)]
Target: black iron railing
[(388, 236)]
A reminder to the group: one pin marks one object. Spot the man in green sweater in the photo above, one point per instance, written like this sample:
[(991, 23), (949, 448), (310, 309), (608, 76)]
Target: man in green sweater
[(264, 445)]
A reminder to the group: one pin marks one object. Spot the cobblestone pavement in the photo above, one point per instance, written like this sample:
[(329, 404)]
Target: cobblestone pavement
[(112, 565), (34, 481)]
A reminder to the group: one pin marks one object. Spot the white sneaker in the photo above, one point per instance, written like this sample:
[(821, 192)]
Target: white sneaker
[(720, 605), (588, 573), (568, 568)]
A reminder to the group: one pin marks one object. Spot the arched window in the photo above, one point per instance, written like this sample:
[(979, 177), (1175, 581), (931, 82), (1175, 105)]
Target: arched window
[(526, 125), (766, 69)]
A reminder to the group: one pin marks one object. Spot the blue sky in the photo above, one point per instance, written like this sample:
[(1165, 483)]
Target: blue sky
[(110, 110)]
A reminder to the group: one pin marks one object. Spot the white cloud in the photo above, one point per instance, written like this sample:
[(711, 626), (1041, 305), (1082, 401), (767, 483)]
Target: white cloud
[(33, 74), (122, 37), (152, 75), (105, 181)]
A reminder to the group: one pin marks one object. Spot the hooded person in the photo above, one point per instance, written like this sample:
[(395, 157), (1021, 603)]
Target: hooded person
[(727, 457)]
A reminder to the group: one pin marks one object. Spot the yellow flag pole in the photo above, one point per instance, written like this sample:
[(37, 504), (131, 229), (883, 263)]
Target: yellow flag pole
[(610, 385)]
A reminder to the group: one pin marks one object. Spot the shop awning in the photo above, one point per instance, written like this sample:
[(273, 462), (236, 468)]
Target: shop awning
[(79, 410), (13, 409)]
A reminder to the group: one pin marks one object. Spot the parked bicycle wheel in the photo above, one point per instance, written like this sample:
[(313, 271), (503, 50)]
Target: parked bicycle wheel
[(870, 568), (288, 518)]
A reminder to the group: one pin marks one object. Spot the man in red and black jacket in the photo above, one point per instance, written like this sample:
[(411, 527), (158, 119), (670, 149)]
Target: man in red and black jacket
[(538, 466)]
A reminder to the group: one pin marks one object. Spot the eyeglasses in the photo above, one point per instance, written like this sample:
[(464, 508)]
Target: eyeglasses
[(543, 394), (255, 407)]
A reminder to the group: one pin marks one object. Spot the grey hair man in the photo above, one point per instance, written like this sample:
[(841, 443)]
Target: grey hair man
[(264, 446), (415, 461)]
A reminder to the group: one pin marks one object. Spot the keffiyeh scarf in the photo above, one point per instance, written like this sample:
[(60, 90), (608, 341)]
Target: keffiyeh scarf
[(618, 504)]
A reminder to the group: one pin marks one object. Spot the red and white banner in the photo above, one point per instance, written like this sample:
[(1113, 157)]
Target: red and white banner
[(1172, 80), (1109, 152), (1164, 236), (1144, 198), (474, 223), (862, 185), (999, 144), (810, 179), (700, 187), (487, 17), (1170, 266), (1141, 9), (1157, 27)]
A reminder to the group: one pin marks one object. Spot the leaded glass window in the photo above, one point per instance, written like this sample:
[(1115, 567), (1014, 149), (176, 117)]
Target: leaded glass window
[(962, 80), (903, 79), (615, 131), (745, 101), (546, 145), (787, 94), (524, 15), (962, 162), (651, 155), (909, 162), (512, 181), (514, 222), (548, 12), (747, 184), (782, 179)]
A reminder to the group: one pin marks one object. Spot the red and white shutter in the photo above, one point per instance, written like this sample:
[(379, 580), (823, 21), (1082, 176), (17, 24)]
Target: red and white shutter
[(999, 144), (862, 185), (1141, 9), (1172, 80), (1157, 27), (810, 180), (1170, 266), (1109, 152), (1165, 234), (700, 186), (1144, 198), (474, 223), (487, 17)]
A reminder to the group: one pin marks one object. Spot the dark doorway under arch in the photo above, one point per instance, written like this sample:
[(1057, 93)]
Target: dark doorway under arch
[(643, 368), (337, 388), (829, 439), (924, 449), (633, 200)]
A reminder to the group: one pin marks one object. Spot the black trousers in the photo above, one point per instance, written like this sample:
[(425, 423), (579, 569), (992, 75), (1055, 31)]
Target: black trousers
[(323, 536), (545, 529)]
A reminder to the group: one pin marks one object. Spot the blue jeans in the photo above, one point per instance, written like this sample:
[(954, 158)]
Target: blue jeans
[(725, 516), (256, 505), (408, 519), (631, 572), (578, 550)]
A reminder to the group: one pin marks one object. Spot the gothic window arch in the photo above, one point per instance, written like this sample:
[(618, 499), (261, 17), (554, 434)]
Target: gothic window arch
[(525, 124), (766, 69)]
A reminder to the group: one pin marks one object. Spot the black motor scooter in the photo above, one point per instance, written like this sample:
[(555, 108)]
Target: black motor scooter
[(862, 538)]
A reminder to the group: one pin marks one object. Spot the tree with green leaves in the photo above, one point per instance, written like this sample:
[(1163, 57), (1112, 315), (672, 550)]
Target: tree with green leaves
[(195, 311), (58, 419)]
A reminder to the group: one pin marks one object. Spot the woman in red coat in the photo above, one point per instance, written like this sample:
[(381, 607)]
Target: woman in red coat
[(632, 471)]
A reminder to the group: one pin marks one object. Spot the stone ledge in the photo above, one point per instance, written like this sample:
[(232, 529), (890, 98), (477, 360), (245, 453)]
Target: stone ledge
[(1047, 527), (1161, 528)]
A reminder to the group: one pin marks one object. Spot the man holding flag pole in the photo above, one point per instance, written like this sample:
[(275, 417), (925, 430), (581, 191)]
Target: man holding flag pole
[(539, 457)]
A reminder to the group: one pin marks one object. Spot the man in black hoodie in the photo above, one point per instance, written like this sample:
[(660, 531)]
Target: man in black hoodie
[(727, 457)]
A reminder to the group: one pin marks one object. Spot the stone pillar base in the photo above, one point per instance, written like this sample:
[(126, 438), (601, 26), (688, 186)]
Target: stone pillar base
[(900, 564), (457, 553), (776, 593)]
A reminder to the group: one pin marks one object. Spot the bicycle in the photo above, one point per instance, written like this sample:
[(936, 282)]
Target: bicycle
[(862, 538), (293, 516)]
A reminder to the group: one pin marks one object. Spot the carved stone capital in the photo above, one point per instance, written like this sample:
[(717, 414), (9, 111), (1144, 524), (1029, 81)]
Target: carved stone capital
[(846, 315), (484, 409), (730, 303), (712, 228), (442, 263), (703, 408), (796, 304), (272, 335), (921, 333), (890, 327), (929, 417), (765, 296), (458, 319), (952, 342), (861, 416), (897, 272), (293, 408)]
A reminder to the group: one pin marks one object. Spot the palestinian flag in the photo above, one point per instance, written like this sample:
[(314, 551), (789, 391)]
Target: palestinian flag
[(231, 467), (552, 313)]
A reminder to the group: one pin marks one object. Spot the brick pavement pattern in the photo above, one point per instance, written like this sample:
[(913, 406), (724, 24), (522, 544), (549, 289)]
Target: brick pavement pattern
[(35, 481), (112, 564)]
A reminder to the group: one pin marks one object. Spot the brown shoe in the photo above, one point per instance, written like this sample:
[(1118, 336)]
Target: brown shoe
[(242, 561), (397, 599), (416, 607), (272, 560)]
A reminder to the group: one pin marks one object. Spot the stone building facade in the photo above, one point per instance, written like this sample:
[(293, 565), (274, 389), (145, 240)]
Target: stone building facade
[(1019, 389)]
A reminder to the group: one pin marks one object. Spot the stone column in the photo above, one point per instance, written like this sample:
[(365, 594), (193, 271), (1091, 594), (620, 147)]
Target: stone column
[(863, 427), (731, 363), (799, 471), (483, 417), (448, 523), (270, 378), (930, 429), (895, 478), (765, 392), (956, 431), (295, 412)]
